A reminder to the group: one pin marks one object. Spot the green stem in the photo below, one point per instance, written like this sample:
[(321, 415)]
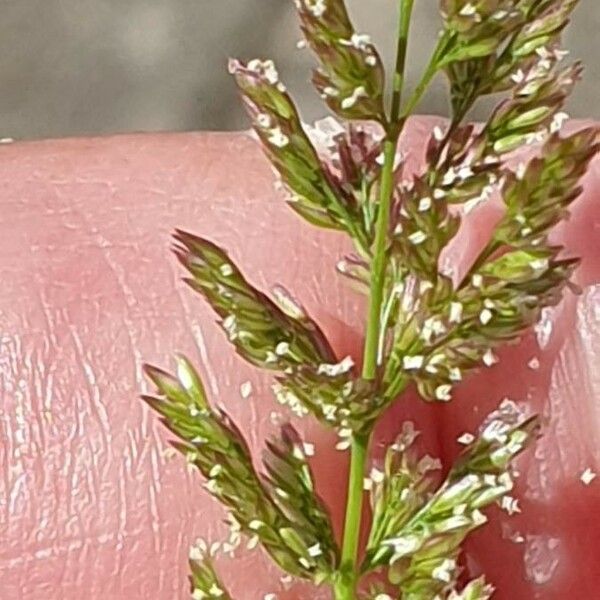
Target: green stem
[(379, 260), (403, 27), (385, 199), (432, 68), (345, 588)]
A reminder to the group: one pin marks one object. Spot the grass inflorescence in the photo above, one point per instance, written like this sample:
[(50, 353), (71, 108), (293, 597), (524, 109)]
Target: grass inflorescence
[(424, 326)]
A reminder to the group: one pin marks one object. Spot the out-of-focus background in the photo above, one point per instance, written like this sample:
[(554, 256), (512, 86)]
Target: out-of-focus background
[(74, 67)]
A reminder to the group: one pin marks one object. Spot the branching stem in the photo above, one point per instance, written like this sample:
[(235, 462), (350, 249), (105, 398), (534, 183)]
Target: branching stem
[(346, 587)]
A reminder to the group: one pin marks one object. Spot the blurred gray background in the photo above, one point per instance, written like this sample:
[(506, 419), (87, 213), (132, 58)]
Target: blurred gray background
[(74, 67)]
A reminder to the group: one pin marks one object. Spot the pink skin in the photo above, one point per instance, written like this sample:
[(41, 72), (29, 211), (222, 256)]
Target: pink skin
[(93, 506)]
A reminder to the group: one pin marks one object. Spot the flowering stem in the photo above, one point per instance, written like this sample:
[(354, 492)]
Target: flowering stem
[(379, 259), (346, 587)]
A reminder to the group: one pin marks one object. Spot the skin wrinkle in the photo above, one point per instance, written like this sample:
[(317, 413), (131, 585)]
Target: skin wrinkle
[(568, 385), (104, 475), (577, 367), (588, 329)]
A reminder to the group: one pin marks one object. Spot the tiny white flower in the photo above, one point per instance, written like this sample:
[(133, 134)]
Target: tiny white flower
[(343, 445), (456, 311), (376, 475), (405, 545), (445, 570), (215, 471), (558, 121), (450, 177), (264, 121), (518, 76), (198, 550), (540, 264), (309, 449), (559, 53), (437, 359), (510, 505), (336, 369), (489, 358), (413, 362), (466, 438), (356, 95), (278, 138), (588, 476), (455, 374), (316, 7), (424, 286), (485, 316), (478, 517), (360, 41), (468, 10), (287, 303), (442, 392), (282, 348), (465, 173), (418, 237), (424, 204)]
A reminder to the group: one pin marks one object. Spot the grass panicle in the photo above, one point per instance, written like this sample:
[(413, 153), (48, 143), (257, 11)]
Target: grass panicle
[(428, 325)]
